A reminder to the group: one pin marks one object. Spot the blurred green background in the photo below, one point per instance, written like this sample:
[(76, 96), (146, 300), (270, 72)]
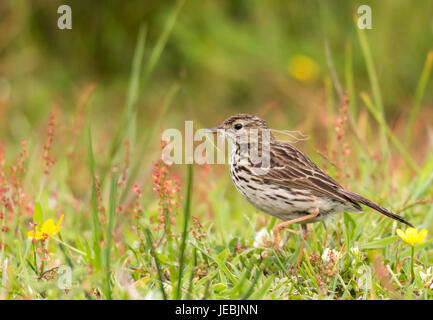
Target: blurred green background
[(204, 61), (226, 56)]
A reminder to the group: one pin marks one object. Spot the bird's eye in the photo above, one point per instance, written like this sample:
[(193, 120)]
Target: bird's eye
[(238, 126)]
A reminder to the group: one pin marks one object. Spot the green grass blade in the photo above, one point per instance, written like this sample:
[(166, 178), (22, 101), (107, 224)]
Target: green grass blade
[(378, 244), (250, 289), (162, 40), (193, 266), (109, 236), (135, 73), (158, 266), (145, 144), (94, 210), (186, 216), (425, 74), (423, 186), (379, 118), (132, 97), (374, 82), (220, 264), (350, 80)]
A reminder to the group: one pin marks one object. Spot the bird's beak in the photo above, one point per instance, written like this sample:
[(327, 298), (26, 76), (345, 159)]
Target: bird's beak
[(214, 130)]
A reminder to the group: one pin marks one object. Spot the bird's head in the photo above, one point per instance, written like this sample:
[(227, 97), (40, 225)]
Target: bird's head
[(245, 128)]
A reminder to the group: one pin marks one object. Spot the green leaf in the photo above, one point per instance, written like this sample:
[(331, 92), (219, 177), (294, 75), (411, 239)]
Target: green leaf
[(219, 287), (349, 222), (163, 258), (378, 244), (220, 264), (219, 249), (223, 255), (263, 289)]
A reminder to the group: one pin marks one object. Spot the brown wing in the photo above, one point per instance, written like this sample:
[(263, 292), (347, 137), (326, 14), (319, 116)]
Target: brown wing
[(290, 168)]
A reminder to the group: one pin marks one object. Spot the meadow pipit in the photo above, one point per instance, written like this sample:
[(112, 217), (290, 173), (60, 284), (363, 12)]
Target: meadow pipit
[(289, 186)]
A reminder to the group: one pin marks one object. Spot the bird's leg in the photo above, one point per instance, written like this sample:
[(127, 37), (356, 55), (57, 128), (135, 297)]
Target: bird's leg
[(292, 231), (304, 238), (278, 228)]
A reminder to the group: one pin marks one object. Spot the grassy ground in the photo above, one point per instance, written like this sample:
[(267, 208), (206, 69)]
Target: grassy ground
[(134, 227)]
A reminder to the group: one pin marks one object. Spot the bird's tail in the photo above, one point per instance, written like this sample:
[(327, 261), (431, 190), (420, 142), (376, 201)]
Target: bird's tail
[(356, 197)]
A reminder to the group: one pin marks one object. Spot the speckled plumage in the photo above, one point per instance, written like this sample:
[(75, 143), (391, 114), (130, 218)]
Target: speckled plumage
[(291, 185)]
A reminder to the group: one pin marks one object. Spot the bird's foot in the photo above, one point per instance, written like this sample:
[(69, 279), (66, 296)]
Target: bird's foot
[(279, 227), (277, 243), (304, 239)]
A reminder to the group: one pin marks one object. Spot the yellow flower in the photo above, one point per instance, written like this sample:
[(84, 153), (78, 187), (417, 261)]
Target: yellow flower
[(303, 68), (411, 236), (34, 234), (48, 229)]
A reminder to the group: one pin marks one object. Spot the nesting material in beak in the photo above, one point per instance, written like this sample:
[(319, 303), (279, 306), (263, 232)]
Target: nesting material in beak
[(214, 130)]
